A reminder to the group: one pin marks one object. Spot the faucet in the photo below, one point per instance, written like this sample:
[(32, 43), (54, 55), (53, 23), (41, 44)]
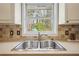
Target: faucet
[(39, 36), (39, 39)]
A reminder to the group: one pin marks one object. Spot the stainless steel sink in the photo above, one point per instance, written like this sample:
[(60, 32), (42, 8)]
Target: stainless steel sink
[(39, 45)]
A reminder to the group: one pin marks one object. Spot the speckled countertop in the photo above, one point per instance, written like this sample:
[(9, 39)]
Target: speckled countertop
[(72, 49)]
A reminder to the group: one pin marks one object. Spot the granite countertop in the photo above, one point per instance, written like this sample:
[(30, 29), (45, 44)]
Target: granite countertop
[(72, 49)]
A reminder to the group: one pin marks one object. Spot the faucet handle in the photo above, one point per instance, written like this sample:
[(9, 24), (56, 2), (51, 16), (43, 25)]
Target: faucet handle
[(52, 39), (44, 36)]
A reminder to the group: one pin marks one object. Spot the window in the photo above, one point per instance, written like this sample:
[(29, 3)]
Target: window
[(39, 18)]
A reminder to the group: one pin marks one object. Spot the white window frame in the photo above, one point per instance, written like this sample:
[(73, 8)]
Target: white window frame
[(54, 32)]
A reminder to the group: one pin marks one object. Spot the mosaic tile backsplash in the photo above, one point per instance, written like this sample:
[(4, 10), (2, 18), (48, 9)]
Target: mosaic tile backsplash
[(9, 32), (13, 32), (65, 32)]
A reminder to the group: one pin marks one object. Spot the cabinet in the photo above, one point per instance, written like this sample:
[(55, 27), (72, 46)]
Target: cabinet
[(69, 13), (62, 13), (10, 13)]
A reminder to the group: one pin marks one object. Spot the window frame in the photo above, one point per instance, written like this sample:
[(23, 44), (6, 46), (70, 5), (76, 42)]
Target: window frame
[(25, 32)]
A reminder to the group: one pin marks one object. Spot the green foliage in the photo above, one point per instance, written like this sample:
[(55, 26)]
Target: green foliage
[(40, 26)]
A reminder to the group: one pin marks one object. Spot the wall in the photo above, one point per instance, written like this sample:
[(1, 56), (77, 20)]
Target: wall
[(68, 28), (5, 32)]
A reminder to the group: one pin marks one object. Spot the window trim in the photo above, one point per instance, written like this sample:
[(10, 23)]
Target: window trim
[(29, 33)]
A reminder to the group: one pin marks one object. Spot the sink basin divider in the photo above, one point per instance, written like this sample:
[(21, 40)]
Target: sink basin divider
[(49, 44), (39, 44), (29, 44)]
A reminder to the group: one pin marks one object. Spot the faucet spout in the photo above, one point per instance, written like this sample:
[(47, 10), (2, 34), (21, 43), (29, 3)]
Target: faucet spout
[(39, 36)]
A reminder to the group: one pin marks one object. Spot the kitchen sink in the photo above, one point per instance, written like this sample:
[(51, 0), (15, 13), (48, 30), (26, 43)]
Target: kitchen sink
[(39, 45)]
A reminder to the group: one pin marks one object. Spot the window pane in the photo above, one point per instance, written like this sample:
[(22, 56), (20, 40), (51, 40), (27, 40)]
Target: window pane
[(39, 17)]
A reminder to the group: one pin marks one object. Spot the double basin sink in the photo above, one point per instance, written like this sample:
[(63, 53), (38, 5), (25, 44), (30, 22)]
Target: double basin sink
[(39, 45)]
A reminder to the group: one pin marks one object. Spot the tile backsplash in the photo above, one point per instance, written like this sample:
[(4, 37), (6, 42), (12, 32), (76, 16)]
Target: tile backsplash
[(9, 32), (64, 31)]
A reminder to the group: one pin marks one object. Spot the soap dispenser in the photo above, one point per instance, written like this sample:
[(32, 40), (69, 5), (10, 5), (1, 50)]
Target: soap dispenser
[(72, 36)]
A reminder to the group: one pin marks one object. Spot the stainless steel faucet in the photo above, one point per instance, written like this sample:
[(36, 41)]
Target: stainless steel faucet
[(39, 36)]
